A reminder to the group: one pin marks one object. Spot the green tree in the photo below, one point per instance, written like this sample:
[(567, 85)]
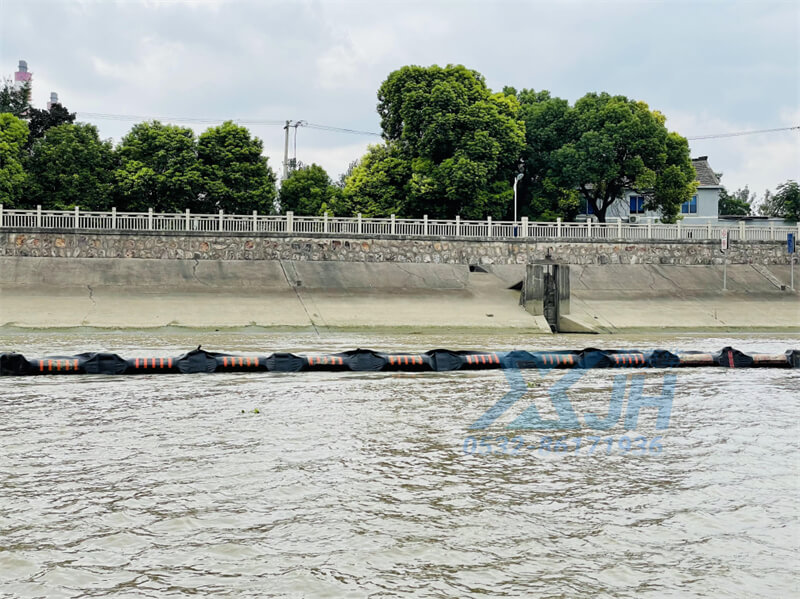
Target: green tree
[(788, 196), (549, 124), (236, 177), (16, 101), (601, 147), (39, 121), (158, 168), (451, 147), (13, 134), (70, 166), (308, 191), (738, 203), (377, 186)]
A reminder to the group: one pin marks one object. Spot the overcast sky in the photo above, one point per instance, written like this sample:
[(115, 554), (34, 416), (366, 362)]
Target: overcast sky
[(709, 66)]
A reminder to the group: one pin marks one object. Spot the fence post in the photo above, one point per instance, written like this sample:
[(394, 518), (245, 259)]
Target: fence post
[(255, 220), (1, 216), (679, 229), (558, 227), (149, 219), (458, 226), (589, 228), (741, 230), (221, 216), (359, 223), (524, 231), (708, 231), (393, 225), (649, 229), (489, 226), (77, 216), (39, 216), (619, 228), (188, 219), (289, 221), (424, 224), (114, 218), (325, 222), (772, 231)]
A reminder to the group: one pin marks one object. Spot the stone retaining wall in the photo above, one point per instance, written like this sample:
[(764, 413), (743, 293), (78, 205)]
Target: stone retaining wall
[(354, 248)]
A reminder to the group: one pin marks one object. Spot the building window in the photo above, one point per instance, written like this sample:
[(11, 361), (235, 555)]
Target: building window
[(689, 207), (589, 208), (637, 205)]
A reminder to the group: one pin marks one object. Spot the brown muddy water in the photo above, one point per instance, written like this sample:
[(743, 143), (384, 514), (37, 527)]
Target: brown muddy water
[(370, 484)]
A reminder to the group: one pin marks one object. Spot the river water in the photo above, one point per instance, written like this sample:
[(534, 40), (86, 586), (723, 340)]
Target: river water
[(371, 485)]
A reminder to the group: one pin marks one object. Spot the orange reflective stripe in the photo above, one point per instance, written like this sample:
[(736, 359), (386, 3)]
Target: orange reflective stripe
[(391, 360), (49, 365), (41, 365), (169, 363), (256, 361)]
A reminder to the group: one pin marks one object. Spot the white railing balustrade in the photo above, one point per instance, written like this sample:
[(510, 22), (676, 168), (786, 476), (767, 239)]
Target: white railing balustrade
[(290, 223)]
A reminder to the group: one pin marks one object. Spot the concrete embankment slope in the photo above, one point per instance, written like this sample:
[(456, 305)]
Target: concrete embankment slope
[(141, 293)]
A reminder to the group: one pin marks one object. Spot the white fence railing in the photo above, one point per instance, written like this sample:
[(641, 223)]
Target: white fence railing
[(458, 228)]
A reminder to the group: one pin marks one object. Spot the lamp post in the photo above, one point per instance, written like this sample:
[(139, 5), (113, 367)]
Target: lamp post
[(517, 179)]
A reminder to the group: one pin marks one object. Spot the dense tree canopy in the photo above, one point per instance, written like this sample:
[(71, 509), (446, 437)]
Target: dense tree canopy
[(158, 168), (601, 147), (307, 191), (13, 134), (236, 177), (70, 166), (39, 121), (451, 147)]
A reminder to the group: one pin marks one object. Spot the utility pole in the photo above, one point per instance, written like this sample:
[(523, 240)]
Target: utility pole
[(286, 151), (296, 125)]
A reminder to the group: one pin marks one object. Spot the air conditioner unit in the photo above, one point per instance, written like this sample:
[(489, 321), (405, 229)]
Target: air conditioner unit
[(633, 219)]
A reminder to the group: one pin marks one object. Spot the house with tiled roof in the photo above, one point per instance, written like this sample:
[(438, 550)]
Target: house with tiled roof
[(701, 209)]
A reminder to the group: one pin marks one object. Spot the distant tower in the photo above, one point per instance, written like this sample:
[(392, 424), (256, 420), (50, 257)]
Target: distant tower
[(22, 75), (53, 100)]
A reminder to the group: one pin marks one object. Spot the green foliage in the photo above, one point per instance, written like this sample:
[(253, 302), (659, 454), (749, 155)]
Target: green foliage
[(451, 148), (39, 121), (602, 146), (13, 134), (738, 203), (159, 169), (70, 166), (377, 186), (236, 177), (308, 191), (788, 196), (15, 101)]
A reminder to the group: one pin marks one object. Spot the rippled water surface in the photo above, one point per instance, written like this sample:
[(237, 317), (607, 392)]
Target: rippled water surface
[(362, 484)]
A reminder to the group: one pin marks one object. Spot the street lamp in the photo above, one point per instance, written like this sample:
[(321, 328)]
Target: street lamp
[(517, 179)]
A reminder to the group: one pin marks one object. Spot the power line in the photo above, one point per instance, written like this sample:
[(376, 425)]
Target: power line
[(319, 127), (739, 133), (206, 120)]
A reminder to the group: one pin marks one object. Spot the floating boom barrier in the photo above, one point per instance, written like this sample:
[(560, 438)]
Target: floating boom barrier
[(439, 360)]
